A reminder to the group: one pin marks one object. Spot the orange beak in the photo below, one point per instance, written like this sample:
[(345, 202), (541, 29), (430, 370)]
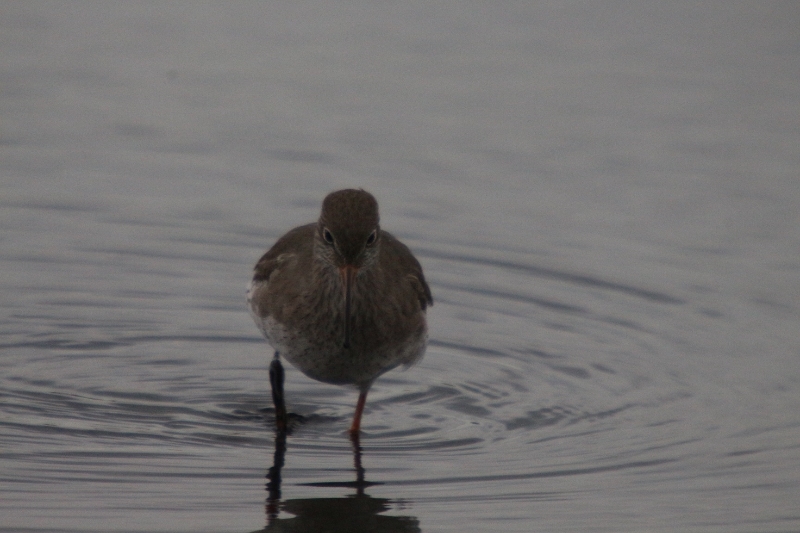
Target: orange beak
[(347, 273)]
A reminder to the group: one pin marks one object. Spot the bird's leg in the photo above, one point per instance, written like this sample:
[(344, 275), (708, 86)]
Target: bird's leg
[(276, 380), (355, 427)]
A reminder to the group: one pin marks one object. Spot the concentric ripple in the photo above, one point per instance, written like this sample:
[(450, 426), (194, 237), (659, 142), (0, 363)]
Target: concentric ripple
[(540, 384)]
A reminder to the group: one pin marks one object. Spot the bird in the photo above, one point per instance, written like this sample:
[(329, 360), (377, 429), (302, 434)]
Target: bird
[(340, 299)]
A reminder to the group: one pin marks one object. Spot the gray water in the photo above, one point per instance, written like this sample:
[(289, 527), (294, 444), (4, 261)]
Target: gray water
[(605, 198)]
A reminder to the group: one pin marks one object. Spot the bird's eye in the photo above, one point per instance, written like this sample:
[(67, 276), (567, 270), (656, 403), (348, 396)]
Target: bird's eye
[(372, 237), (327, 235)]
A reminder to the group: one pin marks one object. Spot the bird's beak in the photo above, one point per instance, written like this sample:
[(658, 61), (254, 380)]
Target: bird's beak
[(348, 273)]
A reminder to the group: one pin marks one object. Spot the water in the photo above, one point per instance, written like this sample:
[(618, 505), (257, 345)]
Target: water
[(604, 199)]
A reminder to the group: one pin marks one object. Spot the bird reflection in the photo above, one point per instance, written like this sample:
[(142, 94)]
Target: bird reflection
[(357, 512)]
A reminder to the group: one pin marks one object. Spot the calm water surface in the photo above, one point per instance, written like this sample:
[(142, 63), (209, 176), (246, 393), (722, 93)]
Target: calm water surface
[(604, 199)]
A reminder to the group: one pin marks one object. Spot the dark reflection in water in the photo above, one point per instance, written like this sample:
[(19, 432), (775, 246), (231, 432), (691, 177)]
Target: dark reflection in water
[(354, 513)]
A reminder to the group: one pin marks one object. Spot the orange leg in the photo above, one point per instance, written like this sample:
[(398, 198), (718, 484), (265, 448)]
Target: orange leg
[(356, 425)]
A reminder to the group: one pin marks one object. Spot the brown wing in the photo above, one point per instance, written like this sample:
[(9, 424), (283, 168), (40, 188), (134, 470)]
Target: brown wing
[(293, 242), (404, 261)]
